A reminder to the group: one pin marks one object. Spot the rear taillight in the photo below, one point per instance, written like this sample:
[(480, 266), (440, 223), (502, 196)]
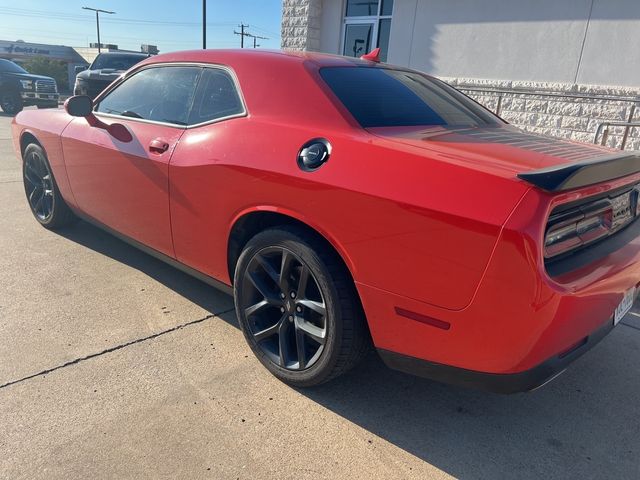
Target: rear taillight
[(578, 227)]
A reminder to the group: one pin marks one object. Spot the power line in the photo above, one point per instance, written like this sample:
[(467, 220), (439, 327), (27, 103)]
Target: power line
[(69, 17), (265, 31), (83, 18)]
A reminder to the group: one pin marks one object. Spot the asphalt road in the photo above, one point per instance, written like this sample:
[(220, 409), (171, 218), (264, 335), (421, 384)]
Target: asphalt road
[(114, 365)]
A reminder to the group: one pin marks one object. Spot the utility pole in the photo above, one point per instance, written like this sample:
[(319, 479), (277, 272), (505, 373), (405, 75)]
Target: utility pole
[(98, 11), (242, 34), (204, 24), (255, 37)]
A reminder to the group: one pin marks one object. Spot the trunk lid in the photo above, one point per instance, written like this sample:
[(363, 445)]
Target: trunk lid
[(550, 163)]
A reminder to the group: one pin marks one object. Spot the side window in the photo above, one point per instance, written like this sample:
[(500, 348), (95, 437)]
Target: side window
[(217, 97), (162, 94)]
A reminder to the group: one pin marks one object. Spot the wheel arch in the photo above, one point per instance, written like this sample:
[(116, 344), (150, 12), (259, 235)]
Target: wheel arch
[(26, 138), (251, 221)]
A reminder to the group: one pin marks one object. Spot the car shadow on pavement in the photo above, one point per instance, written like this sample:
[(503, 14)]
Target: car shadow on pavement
[(185, 285), (586, 424)]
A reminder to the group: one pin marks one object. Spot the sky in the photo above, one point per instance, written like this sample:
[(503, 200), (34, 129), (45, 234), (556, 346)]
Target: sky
[(171, 25)]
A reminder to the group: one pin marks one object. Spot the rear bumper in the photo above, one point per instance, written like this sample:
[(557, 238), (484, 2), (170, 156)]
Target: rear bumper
[(494, 382), (514, 333)]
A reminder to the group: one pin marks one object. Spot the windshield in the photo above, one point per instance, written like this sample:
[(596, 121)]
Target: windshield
[(116, 62), (383, 97), (8, 66)]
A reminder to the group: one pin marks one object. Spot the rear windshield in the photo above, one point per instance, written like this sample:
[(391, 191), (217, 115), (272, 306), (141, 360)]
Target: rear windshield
[(116, 62), (382, 97)]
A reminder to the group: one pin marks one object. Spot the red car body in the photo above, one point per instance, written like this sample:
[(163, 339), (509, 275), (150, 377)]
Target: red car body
[(443, 239)]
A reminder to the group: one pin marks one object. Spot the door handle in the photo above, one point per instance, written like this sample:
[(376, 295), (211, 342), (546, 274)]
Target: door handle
[(158, 145)]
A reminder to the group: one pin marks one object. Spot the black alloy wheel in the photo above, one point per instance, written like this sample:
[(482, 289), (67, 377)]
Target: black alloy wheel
[(285, 308), (45, 201), (298, 308), (38, 185)]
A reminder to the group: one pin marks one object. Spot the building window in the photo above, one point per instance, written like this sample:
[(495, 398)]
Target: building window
[(367, 24)]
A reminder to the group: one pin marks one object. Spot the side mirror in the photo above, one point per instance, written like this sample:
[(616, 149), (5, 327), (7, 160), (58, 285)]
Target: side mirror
[(79, 106), (79, 68), (82, 106)]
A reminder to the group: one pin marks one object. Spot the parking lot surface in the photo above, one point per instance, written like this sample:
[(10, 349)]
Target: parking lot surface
[(115, 365)]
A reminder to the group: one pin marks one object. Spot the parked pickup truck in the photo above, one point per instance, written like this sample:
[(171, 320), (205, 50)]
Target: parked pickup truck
[(19, 88), (106, 68)]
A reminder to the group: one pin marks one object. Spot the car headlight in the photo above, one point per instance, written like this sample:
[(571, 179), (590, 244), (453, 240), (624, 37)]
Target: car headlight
[(27, 84), (80, 87)]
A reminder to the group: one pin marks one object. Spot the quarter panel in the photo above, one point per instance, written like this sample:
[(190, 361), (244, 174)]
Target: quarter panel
[(408, 223)]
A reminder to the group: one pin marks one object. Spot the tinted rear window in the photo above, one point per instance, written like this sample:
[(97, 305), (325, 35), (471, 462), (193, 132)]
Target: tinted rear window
[(381, 97)]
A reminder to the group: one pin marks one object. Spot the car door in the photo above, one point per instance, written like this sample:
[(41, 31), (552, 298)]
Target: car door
[(123, 183)]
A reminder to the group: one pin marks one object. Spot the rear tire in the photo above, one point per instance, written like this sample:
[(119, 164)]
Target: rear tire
[(306, 326), (43, 195), (10, 102)]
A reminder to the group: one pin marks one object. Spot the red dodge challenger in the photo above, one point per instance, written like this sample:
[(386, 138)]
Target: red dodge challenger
[(348, 202)]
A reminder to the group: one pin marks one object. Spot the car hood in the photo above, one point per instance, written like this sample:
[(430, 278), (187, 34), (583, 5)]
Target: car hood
[(102, 74), (502, 148), (27, 76)]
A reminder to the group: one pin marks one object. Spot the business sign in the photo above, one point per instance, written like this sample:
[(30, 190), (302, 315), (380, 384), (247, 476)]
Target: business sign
[(24, 49), (17, 48)]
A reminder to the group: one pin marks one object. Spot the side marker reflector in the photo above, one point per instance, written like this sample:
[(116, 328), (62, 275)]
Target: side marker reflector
[(434, 322)]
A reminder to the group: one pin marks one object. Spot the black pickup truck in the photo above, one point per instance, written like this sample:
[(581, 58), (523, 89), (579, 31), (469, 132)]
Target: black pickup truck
[(19, 88), (106, 68)]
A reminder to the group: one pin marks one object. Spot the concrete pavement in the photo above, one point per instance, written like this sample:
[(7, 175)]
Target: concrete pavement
[(115, 365)]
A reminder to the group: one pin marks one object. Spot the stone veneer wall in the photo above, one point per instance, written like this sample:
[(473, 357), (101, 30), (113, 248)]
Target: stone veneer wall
[(301, 24), (529, 106)]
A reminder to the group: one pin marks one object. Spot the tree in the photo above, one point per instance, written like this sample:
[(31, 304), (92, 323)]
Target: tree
[(50, 68)]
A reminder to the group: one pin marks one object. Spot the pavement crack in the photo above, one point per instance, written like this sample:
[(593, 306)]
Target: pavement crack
[(629, 325), (116, 347)]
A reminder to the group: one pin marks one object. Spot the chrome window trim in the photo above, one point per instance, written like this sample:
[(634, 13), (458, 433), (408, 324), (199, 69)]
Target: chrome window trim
[(128, 75)]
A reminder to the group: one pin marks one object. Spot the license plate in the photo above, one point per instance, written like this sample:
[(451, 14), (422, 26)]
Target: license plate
[(625, 305)]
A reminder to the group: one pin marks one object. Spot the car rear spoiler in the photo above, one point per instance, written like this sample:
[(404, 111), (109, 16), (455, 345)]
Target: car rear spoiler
[(581, 174)]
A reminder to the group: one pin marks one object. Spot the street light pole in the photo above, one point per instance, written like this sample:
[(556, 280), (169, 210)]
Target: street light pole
[(204, 24), (97, 10)]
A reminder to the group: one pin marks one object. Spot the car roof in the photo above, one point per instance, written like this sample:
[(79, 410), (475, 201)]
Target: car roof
[(230, 56)]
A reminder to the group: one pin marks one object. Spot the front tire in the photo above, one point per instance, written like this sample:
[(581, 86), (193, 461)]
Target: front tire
[(46, 203), (298, 308), (10, 102)]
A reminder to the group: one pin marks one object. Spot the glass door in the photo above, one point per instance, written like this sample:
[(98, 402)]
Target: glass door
[(367, 25), (357, 39)]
